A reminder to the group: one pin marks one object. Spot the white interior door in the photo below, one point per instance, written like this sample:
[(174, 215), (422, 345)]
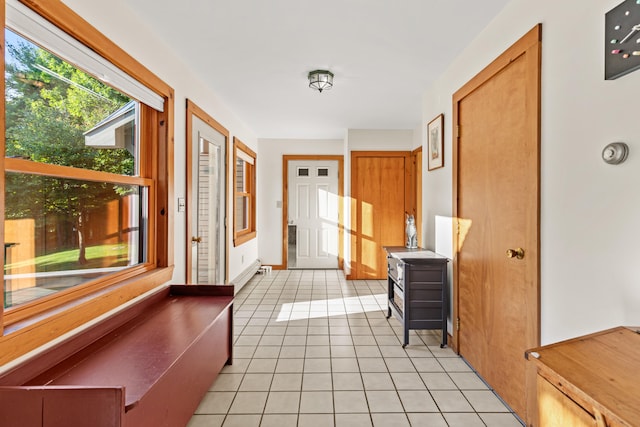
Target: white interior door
[(208, 215), (313, 214)]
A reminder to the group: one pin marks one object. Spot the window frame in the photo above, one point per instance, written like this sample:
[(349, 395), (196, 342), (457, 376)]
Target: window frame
[(26, 327), (249, 233)]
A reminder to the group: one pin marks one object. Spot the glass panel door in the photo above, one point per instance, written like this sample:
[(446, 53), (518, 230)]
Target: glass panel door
[(208, 243)]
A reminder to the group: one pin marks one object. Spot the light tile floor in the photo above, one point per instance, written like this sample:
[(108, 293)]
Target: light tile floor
[(315, 350)]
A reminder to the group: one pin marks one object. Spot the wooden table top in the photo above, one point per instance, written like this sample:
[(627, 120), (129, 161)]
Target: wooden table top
[(600, 369)]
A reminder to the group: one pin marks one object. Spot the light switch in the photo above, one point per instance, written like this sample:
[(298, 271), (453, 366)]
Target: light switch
[(181, 204)]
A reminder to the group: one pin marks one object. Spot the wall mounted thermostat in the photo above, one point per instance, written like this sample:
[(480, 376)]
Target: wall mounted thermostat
[(615, 153)]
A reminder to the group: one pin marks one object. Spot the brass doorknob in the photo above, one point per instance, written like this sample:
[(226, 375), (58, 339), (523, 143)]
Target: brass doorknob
[(515, 253), (196, 239)]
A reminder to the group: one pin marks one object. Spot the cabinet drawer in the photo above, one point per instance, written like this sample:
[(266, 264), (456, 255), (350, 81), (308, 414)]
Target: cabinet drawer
[(398, 293), (396, 270), (427, 274), (426, 293), (399, 302), (556, 409)]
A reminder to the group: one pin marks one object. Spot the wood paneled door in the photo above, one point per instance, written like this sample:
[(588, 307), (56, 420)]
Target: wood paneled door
[(496, 199), (312, 194), (380, 197)]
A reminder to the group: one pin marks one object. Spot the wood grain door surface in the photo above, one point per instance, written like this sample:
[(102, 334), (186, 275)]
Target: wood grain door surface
[(379, 202), (498, 204)]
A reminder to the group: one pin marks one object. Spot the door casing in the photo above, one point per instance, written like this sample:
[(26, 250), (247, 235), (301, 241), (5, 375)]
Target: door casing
[(415, 206)]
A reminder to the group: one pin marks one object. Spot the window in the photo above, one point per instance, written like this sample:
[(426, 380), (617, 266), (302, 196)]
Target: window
[(64, 228), (244, 206), (85, 175)]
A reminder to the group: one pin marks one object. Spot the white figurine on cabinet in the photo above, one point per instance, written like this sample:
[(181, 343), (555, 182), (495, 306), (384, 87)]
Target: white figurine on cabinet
[(411, 232)]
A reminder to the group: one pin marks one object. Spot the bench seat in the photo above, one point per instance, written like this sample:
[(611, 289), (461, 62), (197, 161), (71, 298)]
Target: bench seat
[(149, 366)]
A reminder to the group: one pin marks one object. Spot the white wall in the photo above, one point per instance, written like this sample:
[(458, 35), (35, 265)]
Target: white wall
[(417, 138), (270, 152), (383, 140), (589, 210), (118, 22)]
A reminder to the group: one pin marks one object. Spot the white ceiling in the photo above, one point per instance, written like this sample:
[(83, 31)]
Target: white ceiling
[(256, 55)]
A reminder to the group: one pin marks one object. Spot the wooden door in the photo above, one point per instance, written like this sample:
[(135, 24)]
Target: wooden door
[(496, 185), (380, 198)]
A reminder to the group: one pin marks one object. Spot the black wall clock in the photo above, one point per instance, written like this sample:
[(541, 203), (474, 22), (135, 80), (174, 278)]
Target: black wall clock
[(622, 39)]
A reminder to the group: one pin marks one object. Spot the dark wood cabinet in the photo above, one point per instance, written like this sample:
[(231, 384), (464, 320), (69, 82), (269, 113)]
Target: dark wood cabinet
[(418, 294)]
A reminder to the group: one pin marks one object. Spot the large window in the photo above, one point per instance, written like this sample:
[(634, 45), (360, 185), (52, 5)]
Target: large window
[(244, 206), (85, 173), (63, 228)]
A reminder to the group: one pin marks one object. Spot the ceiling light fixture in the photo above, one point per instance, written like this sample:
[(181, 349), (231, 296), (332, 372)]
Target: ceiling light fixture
[(320, 80)]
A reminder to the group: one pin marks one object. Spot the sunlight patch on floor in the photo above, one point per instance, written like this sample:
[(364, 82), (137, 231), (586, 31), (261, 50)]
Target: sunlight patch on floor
[(330, 307)]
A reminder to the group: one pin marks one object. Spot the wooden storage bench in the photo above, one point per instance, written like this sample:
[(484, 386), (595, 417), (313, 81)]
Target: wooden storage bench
[(147, 366)]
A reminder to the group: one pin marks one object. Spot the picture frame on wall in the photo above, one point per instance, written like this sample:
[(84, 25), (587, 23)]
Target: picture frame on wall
[(435, 143)]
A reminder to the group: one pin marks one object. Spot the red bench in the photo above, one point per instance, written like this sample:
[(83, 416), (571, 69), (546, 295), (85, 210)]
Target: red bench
[(147, 366)]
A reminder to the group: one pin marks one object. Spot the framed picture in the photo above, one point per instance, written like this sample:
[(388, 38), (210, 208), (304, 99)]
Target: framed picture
[(435, 143)]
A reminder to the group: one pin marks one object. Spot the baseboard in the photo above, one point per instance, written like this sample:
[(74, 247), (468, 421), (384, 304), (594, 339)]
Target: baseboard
[(246, 275)]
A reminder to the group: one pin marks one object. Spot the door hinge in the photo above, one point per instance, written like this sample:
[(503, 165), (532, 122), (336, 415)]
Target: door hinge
[(458, 131), (458, 324)]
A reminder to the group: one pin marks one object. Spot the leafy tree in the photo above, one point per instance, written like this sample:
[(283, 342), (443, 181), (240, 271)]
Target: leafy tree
[(49, 106)]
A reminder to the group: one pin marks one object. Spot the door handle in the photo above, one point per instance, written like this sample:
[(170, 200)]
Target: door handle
[(515, 253), (196, 239)]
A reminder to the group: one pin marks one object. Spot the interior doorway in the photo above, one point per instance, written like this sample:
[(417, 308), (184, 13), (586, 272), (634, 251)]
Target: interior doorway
[(312, 211), (206, 206), (381, 188), (496, 200)]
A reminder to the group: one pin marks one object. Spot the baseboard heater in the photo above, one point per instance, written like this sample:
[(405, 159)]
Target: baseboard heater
[(246, 275)]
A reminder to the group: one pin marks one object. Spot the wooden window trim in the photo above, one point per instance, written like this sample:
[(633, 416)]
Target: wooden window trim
[(243, 236), (35, 324)]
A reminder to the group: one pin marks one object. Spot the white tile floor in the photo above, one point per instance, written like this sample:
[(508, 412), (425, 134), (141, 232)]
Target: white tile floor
[(315, 350)]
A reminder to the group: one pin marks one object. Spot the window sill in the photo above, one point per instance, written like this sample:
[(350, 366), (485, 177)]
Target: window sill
[(28, 334), (243, 238)]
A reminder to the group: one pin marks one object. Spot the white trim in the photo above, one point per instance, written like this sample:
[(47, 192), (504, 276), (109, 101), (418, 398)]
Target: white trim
[(29, 24), (240, 153)]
